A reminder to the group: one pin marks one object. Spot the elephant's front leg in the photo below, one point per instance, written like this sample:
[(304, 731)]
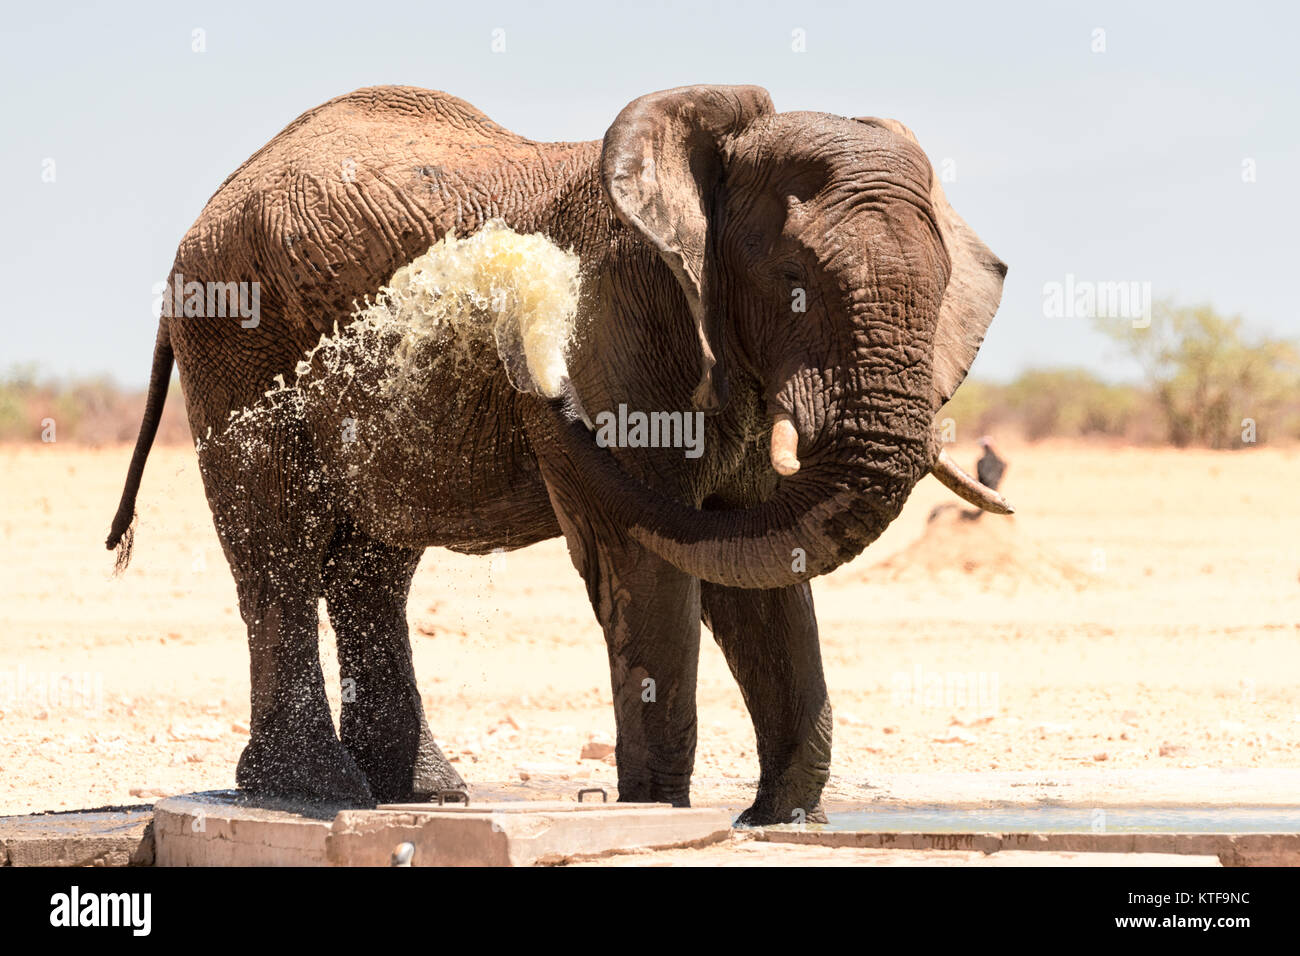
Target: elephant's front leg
[(770, 641), (650, 612)]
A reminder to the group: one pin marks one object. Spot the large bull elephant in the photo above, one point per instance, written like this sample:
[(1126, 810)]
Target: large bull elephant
[(799, 277)]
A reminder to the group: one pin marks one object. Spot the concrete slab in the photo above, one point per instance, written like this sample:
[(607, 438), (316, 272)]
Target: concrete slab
[(1230, 849), (1244, 787), (511, 834), (113, 836), (1247, 786), (747, 849), (518, 806), (222, 828), (225, 828), (548, 826)]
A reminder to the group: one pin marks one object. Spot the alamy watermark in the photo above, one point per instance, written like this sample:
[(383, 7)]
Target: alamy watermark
[(52, 690), (974, 690), (126, 910), (175, 297), (1085, 299), (626, 429)]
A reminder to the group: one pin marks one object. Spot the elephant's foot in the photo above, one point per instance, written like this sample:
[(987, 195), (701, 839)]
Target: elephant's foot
[(766, 813), (402, 765), (785, 803), (432, 773), (310, 766), (674, 789)]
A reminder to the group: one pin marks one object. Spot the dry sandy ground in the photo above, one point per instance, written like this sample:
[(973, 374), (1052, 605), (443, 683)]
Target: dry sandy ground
[(1141, 610)]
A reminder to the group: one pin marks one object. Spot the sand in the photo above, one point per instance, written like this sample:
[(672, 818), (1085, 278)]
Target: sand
[(1141, 610)]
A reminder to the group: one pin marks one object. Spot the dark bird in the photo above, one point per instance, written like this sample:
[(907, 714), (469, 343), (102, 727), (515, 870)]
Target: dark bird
[(990, 468)]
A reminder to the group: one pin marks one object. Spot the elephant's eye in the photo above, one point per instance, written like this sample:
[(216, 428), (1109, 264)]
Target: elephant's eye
[(752, 247), (789, 272)]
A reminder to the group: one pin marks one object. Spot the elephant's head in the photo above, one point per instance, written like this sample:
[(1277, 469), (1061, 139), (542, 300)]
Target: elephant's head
[(818, 256)]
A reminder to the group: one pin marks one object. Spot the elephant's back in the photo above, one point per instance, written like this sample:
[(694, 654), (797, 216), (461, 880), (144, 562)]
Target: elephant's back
[(325, 213), (428, 111)]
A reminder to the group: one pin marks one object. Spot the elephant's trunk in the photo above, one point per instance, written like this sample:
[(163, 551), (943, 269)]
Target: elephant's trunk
[(816, 520)]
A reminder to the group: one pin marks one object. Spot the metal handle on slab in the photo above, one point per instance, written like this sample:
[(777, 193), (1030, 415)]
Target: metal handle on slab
[(403, 854)]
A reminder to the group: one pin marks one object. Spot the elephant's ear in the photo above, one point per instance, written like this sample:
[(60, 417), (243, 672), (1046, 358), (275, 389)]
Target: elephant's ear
[(661, 165), (974, 286)]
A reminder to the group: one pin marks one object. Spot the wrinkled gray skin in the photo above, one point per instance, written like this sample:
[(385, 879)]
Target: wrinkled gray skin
[(696, 219)]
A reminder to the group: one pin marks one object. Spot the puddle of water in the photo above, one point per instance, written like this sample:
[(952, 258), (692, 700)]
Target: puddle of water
[(1070, 820)]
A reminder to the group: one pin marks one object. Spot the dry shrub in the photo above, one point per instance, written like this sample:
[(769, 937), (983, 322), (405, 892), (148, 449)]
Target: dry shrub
[(93, 411), (1208, 382)]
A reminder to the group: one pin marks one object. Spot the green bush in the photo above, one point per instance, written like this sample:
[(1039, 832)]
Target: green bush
[(1210, 378)]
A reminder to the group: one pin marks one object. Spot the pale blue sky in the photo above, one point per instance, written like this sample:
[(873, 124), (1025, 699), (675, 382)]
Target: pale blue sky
[(1122, 165)]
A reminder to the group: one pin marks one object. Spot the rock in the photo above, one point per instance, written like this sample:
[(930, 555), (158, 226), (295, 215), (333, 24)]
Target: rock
[(206, 731), (528, 771), (972, 722), (150, 792), (1172, 750), (1101, 756), (954, 735), (1047, 727), (597, 748)]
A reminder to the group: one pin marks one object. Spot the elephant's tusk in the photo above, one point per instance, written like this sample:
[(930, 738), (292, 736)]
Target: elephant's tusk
[(785, 442), (964, 486)]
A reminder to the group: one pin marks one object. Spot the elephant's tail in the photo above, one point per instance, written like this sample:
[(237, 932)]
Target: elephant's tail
[(122, 535)]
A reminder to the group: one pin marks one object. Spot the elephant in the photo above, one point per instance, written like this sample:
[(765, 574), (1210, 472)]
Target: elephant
[(799, 279)]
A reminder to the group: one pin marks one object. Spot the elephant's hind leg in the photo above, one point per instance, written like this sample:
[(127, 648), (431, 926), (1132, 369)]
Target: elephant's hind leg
[(274, 527), (382, 722)]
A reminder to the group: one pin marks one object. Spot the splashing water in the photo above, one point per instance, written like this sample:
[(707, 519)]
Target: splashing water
[(497, 287), (458, 309)]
